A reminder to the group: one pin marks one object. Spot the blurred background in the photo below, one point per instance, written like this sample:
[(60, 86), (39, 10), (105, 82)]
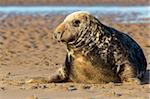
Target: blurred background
[(27, 48), (74, 2)]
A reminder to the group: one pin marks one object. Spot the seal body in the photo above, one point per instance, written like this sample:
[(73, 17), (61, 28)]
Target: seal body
[(97, 53)]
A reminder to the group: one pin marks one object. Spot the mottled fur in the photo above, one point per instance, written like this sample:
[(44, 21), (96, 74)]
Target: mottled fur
[(97, 53)]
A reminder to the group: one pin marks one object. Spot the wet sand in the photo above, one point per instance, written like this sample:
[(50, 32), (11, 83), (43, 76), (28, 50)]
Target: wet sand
[(27, 50), (74, 2)]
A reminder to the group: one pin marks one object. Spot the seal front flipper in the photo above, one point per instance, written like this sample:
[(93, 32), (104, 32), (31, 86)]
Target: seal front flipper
[(59, 76), (62, 74)]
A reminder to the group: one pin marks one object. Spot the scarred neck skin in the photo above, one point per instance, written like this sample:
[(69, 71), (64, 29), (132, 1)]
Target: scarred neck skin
[(89, 38)]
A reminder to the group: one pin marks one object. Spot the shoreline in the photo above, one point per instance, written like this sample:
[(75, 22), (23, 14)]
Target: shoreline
[(124, 14), (75, 2), (105, 5)]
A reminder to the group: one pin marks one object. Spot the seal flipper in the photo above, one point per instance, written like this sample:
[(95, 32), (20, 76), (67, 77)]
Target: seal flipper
[(62, 75)]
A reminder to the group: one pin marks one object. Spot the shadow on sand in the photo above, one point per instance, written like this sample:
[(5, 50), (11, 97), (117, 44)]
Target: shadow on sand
[(146, 79)]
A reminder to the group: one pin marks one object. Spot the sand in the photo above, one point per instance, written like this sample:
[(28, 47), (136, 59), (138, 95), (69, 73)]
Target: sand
[(74, 2), (28, 50)]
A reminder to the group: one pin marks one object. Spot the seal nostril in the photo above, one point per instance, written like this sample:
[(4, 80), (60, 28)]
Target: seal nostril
[(55, 35), (58, 33)]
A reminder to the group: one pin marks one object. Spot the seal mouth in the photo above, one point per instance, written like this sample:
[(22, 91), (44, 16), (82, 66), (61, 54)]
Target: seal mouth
[(71, 40), (59, 37), (66, 42)]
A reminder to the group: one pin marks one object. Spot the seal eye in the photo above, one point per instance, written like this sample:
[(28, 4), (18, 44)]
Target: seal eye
[(76, 23)]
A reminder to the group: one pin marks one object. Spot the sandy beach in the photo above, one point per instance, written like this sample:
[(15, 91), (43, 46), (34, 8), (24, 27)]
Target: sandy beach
[(28, 50)]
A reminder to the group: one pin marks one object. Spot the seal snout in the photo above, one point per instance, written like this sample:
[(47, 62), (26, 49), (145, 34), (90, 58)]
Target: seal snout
[(57, 35), (58, 32)]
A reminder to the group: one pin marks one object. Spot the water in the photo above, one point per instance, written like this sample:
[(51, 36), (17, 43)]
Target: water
[(125, 14)]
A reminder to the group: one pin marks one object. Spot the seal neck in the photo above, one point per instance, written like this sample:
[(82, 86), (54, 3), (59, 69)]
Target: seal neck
[(87, 39)]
